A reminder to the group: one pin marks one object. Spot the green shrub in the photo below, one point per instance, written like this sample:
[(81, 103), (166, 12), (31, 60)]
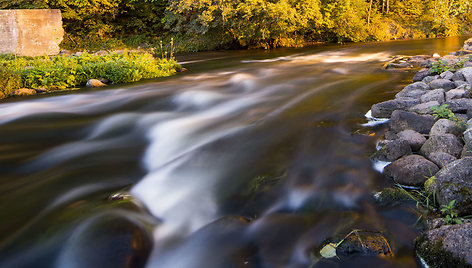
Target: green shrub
[(61, 72)]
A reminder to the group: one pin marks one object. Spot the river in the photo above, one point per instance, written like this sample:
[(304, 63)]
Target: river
[(249, 159)]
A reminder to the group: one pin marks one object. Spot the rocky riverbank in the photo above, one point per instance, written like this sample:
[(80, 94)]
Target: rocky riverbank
[(427, 152)]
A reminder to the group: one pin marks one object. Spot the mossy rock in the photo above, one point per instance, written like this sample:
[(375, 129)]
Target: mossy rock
[(364, 243)]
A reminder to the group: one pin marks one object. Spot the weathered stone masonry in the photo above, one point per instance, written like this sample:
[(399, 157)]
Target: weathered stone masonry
[(30, 32)]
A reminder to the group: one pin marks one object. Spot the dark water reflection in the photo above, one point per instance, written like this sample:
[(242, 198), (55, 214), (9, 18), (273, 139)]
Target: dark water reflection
[(250, 159)]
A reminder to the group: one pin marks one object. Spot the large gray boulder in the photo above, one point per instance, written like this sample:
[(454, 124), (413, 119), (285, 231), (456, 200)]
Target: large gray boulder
[(414, 90), (454, 183), (441, 159), (468, 136), (442, 83), (386, 108), (446, 246), (424, 108), (457, 93), (419, 76), (446, 143), (445, 126), (434, 95), (459, 105), (458, 76), (447, 75), (392, 150), (413, 138), (467, 73), (402, 120), (411, 170)]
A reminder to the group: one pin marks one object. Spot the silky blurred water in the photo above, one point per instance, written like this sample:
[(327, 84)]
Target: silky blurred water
[(249, 159)]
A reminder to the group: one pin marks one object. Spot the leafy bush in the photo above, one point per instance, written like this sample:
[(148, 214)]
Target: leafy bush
[(444, 112), (61, 72)]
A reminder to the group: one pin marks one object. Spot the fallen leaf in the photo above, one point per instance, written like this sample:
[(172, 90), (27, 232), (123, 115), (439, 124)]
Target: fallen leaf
[(328, 251)]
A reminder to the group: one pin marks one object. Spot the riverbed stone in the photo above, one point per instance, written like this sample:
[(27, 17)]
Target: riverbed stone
[(467, 73), (402, 120), (430, 78), (447, 143), (386, 108), (447, 75), (459, 105), (454, 183), (411, 170), (424, 108), (95, 83), (442, 83), (441, 159), (364, 243), (419, 76), (414, 90), (445, 126), (390, 135), (467, 64), (23, 92), (391, 150), (434, 95), (413, 138), (446, 246), (458, 76), (456, 93)]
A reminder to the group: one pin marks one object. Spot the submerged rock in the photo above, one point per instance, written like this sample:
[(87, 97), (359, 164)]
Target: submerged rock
[(365, 243), (402, 120), (411, 170), (446, 246)]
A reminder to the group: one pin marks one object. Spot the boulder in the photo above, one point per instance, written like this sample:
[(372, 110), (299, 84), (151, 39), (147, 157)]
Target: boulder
[(391, 150), (414, 90), (402, 120), (447, 75), (413, 138), (23, 92), (434, 95), (467, 64), (419, 76), (456, 94), (459, 105), (463, 52), (428, 79), (441, 159), (95, 83), (385, 109), (364, 243), (467, 73), (468, 44), (468, 136), (458, 76), (453, 183), (442, 83), (445, 126), (411, 170), (466, 151), (390, 135), (446, 143), (446, 246), (460, 83), (424, 108)]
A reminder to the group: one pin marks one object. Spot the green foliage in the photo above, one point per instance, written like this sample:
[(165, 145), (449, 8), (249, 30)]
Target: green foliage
[(64, 72), (443, 112), (441, 66), (451, 215), (10, 80)]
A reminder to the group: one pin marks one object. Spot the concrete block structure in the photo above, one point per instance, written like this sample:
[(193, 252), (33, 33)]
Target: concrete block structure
[(30, 32)]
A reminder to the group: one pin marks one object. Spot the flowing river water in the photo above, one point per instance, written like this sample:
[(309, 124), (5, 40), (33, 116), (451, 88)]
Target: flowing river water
[(249, 159)]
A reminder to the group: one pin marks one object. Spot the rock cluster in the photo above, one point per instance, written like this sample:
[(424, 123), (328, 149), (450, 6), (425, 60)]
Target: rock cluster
[(422, 147)]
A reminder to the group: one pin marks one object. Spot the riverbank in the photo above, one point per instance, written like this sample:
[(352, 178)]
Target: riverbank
[(29, 76), (427, 152)]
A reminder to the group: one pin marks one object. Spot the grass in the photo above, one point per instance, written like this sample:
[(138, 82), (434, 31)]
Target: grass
[(62, 72)]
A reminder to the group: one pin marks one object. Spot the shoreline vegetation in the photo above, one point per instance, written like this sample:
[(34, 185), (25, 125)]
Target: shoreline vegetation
[(203, 25), (427, 153), (32, 75)]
